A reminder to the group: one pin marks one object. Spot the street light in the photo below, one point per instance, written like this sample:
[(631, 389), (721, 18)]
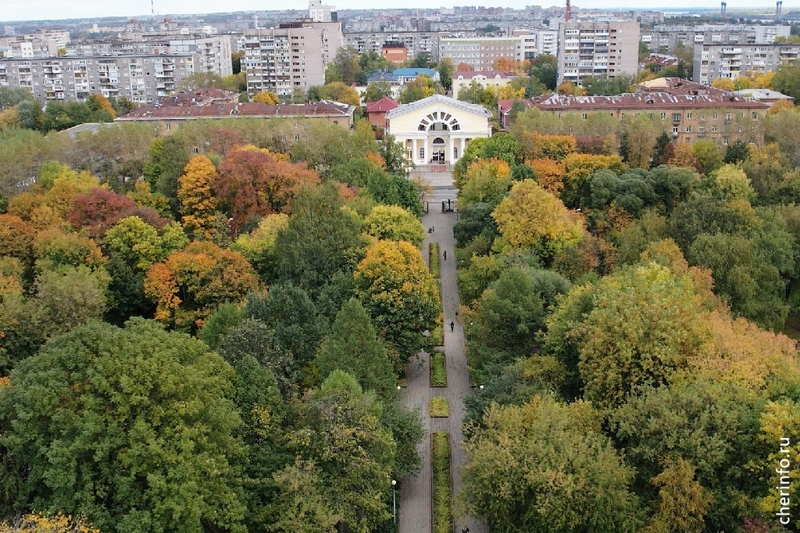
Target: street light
[(394, 501)]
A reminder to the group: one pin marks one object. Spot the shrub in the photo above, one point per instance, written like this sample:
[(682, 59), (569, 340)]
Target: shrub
[(433, 261), (438, 369), (438, 407), (440, 483)]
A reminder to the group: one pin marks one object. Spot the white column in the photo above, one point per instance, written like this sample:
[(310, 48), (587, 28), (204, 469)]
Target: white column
[(414, 155), (461, 153)]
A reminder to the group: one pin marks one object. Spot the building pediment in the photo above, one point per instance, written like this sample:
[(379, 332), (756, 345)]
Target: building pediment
[(438, 102)]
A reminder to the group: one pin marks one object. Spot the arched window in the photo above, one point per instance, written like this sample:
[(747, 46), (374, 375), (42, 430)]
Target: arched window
[(438, 121)]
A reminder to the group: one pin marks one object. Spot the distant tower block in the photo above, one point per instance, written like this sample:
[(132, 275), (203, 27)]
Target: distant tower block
[(778, 7), (723, 8)]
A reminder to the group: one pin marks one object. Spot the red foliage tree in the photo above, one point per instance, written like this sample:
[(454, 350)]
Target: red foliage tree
[(16, 238), (99, 209), (253, 183)]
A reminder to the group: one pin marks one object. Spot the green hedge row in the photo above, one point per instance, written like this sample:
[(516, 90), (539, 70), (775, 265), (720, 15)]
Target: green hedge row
[(438, 407), (433, 259), (438, 369), (442, 507)]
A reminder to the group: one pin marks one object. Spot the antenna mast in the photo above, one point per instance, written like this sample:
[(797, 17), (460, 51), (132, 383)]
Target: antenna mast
[(568, 13), (152, 9)]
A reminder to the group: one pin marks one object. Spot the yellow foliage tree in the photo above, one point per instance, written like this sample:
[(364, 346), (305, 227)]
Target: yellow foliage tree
[(682, 500), (537, 146), (39, 523), (777, 107), (339, 92), (530, 217), (726, 84), (486, 180), (266, 97), (684, 157), (198, 203), (508, 92)]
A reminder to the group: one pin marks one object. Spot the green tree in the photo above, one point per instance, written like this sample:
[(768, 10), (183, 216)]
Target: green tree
[(321, 239), (420, 88), (345, 67), (708, 155), (134, 432), (446, 68), (354, 347), (526, 465), (545, 69), (166, 160), (377, 90), (400, 295), (787, 80), (341, 432)]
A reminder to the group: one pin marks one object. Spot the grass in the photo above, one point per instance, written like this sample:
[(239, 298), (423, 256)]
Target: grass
[(433, 259), (442, 508), (438, 407), (438, 369)]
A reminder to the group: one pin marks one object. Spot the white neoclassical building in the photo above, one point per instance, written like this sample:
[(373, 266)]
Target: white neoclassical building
[(435, 130)]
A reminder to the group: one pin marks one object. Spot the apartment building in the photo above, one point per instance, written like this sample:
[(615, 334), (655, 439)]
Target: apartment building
[(712, 61), (213, 53), (597, 49), (666, 38), (415, 42), (290, 58), (720, 116), (142, 79), (42, 43), (482, 52), (486, 79)]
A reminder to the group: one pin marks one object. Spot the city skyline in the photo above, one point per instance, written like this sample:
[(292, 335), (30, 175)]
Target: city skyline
[(18, 10)]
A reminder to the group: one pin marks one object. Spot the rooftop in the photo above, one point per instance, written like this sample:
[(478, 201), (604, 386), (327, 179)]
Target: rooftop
[(656, 100), (324, 108), (381, 106), (470, 74)]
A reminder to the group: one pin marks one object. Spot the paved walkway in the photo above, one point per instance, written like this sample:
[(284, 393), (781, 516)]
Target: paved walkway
[(415, 495)]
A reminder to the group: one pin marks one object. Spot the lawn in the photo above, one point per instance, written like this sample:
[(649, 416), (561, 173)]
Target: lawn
[(433, 258), (438, 407)]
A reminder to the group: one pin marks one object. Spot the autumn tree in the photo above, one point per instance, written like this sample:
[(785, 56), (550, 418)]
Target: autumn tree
[(266, 97), (100, 209), (400, 294), (532, 218), (486, 180), (422, 87), (394, 223), (682, 501), (377, 90), (255, 183), (659, 313), (196, 195), (339, 92), (192, 281), (258, 246), (112, 394)]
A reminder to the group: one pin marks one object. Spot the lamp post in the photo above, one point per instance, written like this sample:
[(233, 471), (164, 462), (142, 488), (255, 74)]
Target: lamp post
[(394, 501)]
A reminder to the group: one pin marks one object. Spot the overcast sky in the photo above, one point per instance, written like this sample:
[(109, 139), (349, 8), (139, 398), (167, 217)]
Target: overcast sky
[(11, 10)]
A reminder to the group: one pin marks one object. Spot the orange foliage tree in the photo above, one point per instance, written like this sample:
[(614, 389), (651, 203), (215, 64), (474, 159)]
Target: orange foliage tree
[(254, 183), (549, 174), (464, 67), (191, 282), (538, 146)]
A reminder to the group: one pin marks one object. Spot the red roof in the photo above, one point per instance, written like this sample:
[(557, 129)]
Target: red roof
[(381, 106)]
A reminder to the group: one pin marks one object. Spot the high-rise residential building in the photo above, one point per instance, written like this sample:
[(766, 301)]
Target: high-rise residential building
[(712, 61), (290, 58), (414, 41), (319, 12), (482, 52), (666, 38), (140, 78), (597, 49)]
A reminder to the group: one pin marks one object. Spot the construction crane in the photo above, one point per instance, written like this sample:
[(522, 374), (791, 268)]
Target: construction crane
[(568, 13)]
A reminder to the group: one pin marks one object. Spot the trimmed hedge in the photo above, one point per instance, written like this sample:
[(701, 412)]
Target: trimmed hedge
[(438, 407), (441, 491), (438, 369), (433, 259)]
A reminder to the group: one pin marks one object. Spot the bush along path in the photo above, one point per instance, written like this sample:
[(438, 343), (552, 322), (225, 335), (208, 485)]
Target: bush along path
[(416, 498)]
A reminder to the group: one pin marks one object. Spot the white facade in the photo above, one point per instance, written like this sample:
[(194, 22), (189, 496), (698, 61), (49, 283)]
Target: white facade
[(437, 129), (731, 61), (481, 52), (597, 49)]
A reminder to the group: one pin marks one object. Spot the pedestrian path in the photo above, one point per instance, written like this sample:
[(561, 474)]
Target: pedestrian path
[(415, 493)]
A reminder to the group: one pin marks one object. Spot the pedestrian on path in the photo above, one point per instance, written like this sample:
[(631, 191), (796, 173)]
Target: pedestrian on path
[(445, 255), (452, 325)]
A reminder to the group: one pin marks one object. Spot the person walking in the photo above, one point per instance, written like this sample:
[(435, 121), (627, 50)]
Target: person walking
[(452, 325), (445, 255)]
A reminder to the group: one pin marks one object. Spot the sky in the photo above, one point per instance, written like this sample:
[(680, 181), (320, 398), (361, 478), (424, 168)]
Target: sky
[(12, 10)]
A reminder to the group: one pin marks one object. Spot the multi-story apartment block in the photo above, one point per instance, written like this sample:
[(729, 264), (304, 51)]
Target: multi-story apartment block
[(414, 41), (720, 116), (213, 53), (482, 52), (142, 78), (319, 12), (665, 39), (597, 49), (290, 58), (712, 61)]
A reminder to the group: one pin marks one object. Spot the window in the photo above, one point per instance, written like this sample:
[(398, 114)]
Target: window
[(583, 116), (689, 116), (727, 116), (674, 129), (701, 129), (676, 117), (422, 153), (755, 115), (713, 129), (663, 116), (688, 129), (455, 152), (167, 126)]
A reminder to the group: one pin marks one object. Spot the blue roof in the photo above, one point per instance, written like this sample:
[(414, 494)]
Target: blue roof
[(414, 72), (382, 76)]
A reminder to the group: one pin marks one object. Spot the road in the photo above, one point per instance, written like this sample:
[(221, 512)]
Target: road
[(415, 493)]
